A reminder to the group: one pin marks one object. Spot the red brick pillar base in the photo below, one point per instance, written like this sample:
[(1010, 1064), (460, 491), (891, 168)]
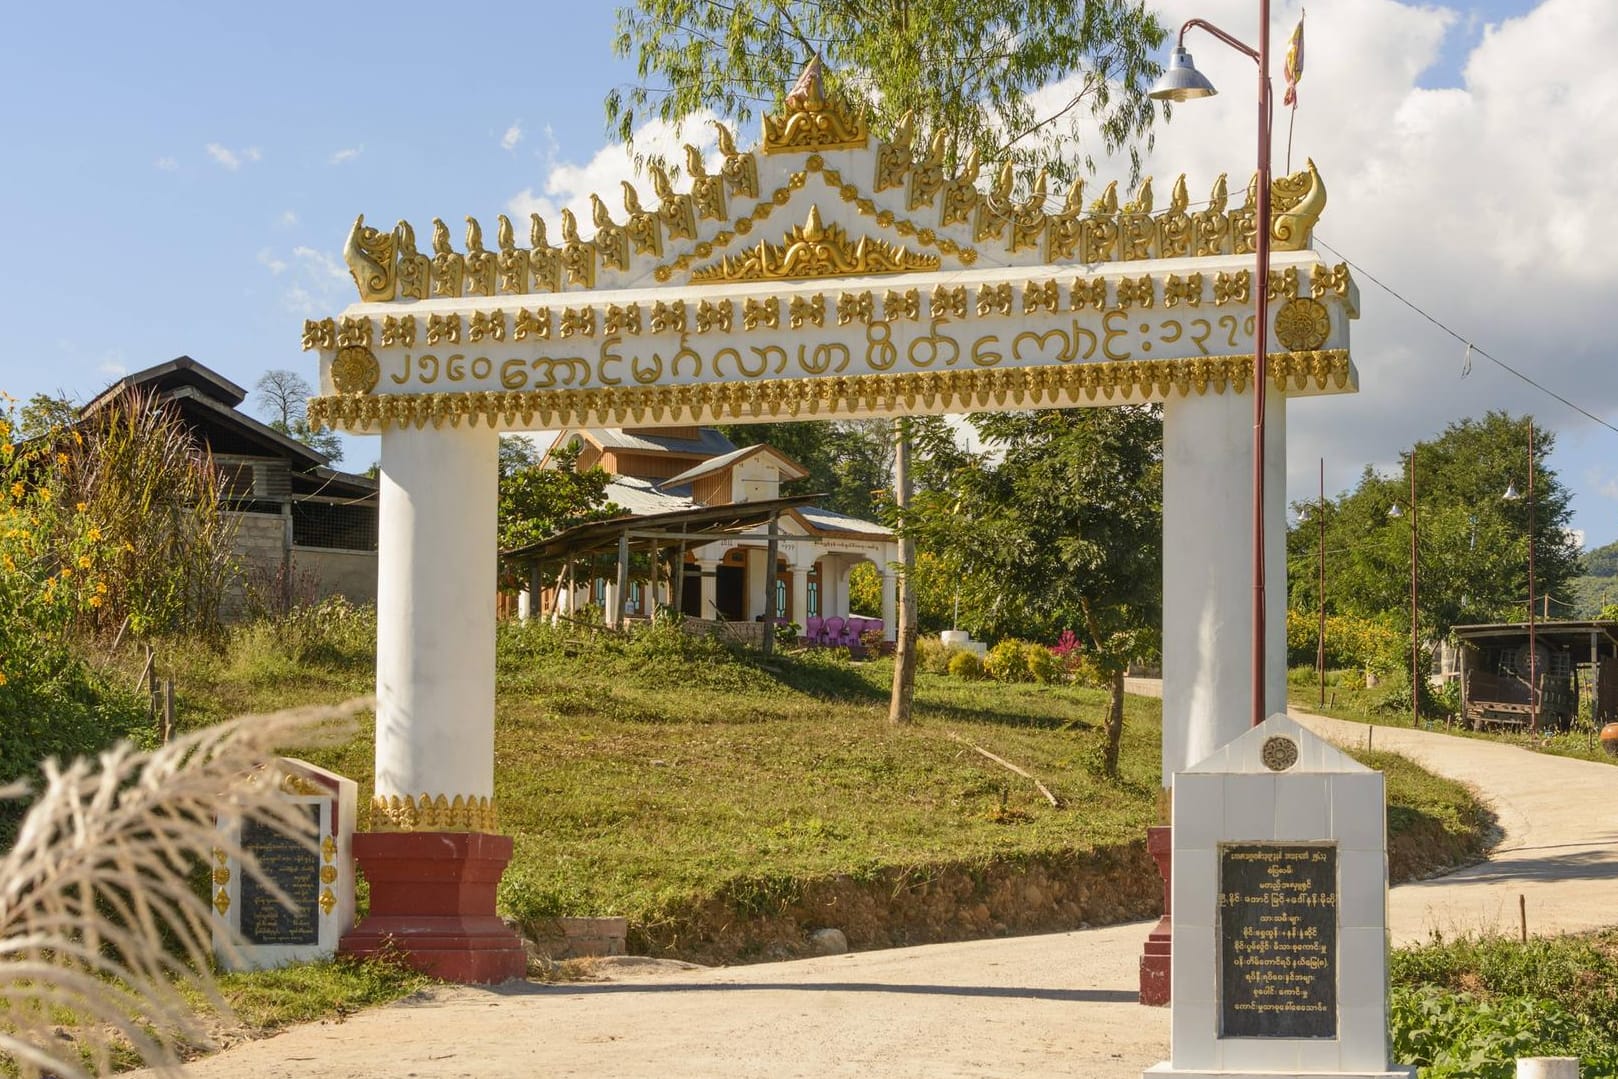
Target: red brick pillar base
[(432, 901), (1156, 960)]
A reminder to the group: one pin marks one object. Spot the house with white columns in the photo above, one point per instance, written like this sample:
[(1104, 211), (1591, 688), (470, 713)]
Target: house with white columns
[(709, 567)]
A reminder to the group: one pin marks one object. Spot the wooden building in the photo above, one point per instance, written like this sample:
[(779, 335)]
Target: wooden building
[(1573, 662)]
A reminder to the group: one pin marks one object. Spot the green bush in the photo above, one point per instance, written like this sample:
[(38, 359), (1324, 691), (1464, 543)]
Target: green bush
[(1008, 661), (967, 665), (933, 655), (1043, 667), (1350, 642)]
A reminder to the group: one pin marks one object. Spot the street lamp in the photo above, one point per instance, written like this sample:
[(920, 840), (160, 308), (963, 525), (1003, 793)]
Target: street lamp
[(1183, 82), (1415, 619)]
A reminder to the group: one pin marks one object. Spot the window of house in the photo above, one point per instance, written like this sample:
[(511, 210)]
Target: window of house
[(813, 604), (334, 526), (780, 598)]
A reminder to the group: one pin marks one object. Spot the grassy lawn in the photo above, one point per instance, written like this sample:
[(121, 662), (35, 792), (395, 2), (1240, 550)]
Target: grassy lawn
[(1388, 705), (642, 776)]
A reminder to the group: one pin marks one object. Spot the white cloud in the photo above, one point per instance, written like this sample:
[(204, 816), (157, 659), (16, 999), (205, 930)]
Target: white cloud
[(267, 259), (317, 282), (569, 186), (166, 164), (1483, 204), (288, 218), (347, 154), (113, 363), (512, 137), (232, 159)]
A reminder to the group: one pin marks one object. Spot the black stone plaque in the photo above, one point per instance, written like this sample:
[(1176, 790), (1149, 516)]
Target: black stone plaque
[(1277, 940), (296, 871)]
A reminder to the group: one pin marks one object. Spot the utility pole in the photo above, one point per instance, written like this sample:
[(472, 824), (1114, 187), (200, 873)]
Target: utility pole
[(904, 660)]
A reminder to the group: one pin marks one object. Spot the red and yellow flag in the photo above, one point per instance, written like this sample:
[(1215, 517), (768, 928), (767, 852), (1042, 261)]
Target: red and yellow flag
[(1294, 64)]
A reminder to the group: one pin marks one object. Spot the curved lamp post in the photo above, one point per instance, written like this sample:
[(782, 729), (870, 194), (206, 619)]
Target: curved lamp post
[(1183, 82)]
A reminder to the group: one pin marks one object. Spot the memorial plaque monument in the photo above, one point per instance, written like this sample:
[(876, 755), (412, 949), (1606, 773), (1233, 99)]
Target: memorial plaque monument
[(1280, 937), (1277, 940), (253, 928)]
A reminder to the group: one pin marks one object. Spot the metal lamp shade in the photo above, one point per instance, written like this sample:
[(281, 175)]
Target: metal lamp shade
[(1182, 81)]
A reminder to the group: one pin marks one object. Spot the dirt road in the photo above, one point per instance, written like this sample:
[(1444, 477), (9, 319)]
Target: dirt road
[(1058, 1005)]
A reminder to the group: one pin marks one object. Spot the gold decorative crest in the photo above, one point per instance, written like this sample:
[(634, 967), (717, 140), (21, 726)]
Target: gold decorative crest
[(812, 122), (355, 370), (1302, 324), (221, 901), (327, 901), (814, 249)]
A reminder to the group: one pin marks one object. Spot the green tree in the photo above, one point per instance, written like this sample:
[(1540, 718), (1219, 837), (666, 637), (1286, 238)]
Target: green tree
[(1472, 540), (1060, 527), (44, 415), (968, 69), (537, 501), (284, 397), (850, 462)]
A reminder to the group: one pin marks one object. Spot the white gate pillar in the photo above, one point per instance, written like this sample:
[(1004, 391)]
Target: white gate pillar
[(759, 579), (1208, 571), (800, 595), (433, 856)]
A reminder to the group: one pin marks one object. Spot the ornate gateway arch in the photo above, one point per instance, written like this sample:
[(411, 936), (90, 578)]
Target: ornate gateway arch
[(818, 275)]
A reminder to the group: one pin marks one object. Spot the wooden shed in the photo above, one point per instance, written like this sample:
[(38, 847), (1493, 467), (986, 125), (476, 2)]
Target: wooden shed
[(1573, 662)]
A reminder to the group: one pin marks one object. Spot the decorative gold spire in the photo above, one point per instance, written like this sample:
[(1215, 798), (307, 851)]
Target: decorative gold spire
[(811, 121)]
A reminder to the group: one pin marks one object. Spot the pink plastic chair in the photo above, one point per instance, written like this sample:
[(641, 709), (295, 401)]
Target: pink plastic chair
[(814, 630), (833, 631)]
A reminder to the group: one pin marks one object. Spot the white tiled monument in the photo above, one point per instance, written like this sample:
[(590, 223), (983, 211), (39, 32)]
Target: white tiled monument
[(252, 928), (1280, 913)]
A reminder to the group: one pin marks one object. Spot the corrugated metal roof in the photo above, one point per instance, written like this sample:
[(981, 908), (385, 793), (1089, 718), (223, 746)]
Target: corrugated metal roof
[(640, 499), (832, 521), (710, 444), (725, 460)]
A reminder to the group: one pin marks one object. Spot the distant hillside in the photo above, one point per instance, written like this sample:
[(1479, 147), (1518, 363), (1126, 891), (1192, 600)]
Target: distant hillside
[(1602, 562), (1599, 585)]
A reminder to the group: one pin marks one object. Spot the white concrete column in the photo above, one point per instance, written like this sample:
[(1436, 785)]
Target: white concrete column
[(1208, 575), (890, 606), (710, 587), (758, 579), (610, 615), (525, 606), (435, 603), (800, 595)]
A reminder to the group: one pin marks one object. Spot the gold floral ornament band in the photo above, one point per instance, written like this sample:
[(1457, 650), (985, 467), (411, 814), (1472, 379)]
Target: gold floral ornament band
[(429, 813)]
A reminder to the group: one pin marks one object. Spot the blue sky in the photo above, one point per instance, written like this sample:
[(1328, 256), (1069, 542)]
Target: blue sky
[(183, 176)]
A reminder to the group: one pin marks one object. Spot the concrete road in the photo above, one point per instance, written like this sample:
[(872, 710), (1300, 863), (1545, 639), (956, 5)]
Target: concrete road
[(1058, 1005)]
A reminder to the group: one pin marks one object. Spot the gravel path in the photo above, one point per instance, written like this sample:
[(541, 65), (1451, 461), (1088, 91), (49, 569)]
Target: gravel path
[(1057, 1005)]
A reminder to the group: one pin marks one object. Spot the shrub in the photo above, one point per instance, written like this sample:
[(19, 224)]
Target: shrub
[(967, 665), (1008, 661), (1043, 667), (933, 655), (1351, 641)]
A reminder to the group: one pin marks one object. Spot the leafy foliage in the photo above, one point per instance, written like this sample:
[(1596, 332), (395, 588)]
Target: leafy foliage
[(537, 502), (1472, 542), (971, 71)]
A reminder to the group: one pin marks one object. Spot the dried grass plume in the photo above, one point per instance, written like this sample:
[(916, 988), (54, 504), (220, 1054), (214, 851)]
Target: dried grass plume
[(99, 919)]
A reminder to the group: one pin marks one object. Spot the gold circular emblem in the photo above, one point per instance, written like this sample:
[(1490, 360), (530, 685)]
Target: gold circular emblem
[(1302, 324), (355, 370), (1280, 753)]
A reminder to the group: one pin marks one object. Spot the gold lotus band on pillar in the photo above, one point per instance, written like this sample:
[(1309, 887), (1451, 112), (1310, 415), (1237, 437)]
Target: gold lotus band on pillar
[(430, 813)]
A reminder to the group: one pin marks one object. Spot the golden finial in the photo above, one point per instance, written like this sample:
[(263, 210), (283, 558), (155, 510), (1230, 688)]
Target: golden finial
[(1220, 197), (813, 230), (599, 214), (1108, 202), (727, 141), (1142, 203), (1179, 198), (1252, 193), (807, 93), (905, 133), (1038, 193), (407, 237), (504, 236), (536, 232), (937, 149), (1002, 184), (570, 227), (661, 184), (693, 162), (441, 245), (631, 198), (969, 171), (474, 235), (1075, 198)]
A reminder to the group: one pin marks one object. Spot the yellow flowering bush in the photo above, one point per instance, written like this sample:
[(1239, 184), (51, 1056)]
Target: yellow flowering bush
[(1351, 642)]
